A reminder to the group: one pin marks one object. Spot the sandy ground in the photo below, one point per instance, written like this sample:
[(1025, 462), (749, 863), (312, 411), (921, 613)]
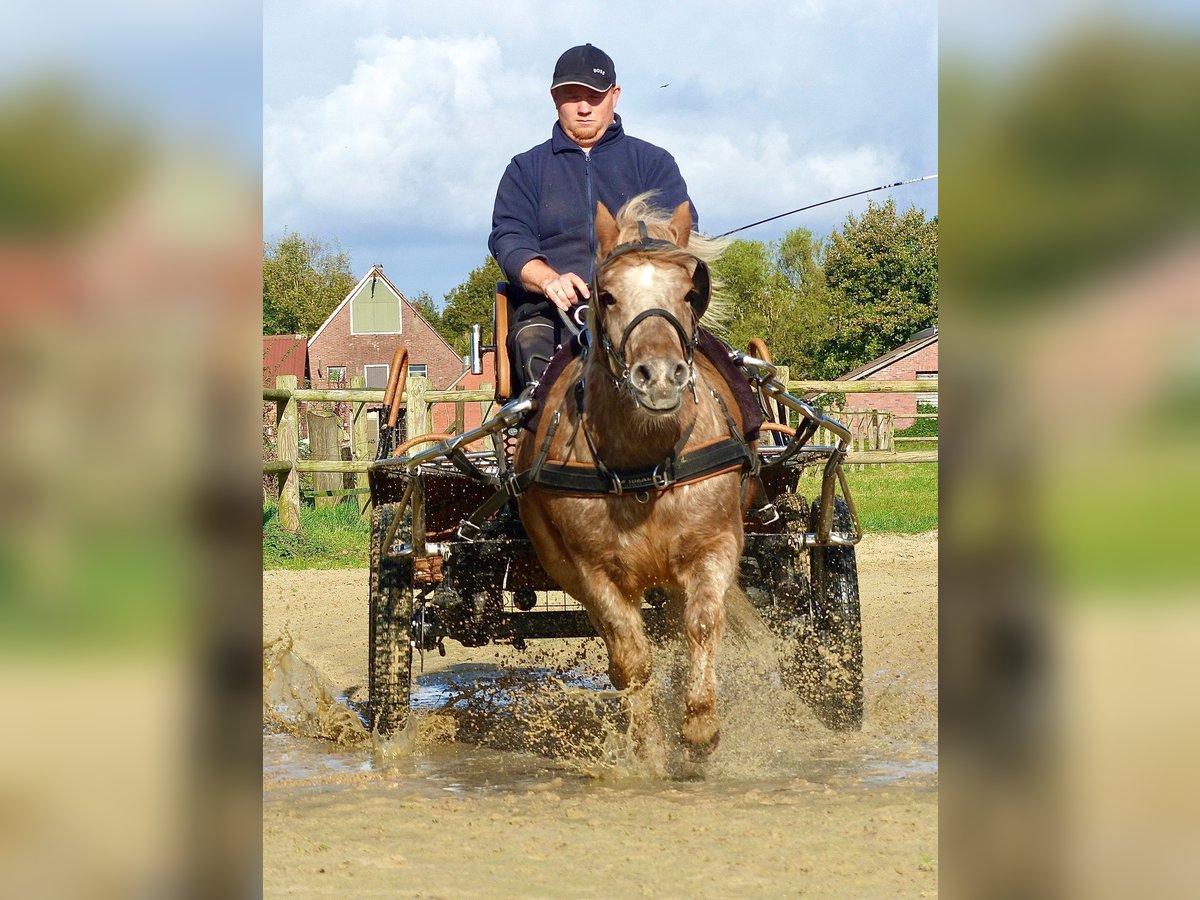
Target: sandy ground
[(788, 809)]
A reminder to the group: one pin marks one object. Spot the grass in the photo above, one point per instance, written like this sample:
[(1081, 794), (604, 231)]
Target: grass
[(899, 499), (332, 537)]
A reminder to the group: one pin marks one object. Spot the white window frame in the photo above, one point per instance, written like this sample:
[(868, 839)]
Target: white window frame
[(421, 369), (333, 380), (929, 397), (387, 372)]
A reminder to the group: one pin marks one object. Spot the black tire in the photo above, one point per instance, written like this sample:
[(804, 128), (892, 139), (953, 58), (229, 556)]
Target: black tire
[(391, 608), (829, 658)]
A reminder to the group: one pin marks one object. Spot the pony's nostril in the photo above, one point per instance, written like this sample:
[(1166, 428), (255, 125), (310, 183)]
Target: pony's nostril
[(681, 374), (640, 375)]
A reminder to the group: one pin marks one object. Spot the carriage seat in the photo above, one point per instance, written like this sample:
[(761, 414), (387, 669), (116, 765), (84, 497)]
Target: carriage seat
[(500, 319)]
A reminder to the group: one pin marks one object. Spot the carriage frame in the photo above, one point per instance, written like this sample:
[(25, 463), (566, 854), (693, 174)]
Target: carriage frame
[(438, 573)]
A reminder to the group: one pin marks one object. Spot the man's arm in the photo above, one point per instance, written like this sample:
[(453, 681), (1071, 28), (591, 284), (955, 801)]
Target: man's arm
[(513, 241), (515, 245)]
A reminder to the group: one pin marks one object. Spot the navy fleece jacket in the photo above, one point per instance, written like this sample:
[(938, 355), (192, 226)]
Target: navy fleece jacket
[(546, 202)]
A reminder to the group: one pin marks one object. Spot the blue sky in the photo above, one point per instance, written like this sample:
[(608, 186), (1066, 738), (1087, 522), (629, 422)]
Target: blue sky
[(387, 126)]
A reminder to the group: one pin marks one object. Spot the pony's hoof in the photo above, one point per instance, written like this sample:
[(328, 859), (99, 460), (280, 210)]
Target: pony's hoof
[(699, 753), (700, 738)]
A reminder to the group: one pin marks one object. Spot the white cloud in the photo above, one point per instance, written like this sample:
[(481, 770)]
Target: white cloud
[(395, 143), (417, 138)]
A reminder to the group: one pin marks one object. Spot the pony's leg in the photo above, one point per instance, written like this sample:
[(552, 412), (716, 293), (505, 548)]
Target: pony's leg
[(704, 625), (619, 622)]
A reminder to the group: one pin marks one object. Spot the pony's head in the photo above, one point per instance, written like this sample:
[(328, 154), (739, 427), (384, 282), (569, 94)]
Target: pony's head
[(651, 289)]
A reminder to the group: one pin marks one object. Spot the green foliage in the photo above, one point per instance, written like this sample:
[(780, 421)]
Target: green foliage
[(63, 164), (776, 292), (471, 303), (304, 279), (1084, 160), (332, 537), (425, 306), (882, 274), (921, 427)]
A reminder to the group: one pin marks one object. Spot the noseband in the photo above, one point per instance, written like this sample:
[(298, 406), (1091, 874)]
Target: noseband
[(698, 299)]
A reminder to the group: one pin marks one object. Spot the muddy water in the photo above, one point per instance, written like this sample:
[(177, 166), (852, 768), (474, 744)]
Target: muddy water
[(516, 775)]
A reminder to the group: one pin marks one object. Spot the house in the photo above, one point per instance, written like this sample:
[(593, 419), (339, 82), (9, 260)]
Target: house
[(284, 354), (915, 360), (362, 334)]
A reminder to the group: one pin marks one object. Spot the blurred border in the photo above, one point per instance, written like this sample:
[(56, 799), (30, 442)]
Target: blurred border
[(130, 546), (1070, 278)]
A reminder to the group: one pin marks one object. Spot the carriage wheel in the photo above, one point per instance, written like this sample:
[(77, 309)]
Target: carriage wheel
[(391, 608), (829, 659)]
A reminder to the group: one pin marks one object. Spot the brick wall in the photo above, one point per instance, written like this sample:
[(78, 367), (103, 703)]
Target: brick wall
[(336, 346), (903, 369)]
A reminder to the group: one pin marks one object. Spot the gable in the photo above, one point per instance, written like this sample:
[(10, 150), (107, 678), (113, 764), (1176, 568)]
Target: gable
[(375, 308)]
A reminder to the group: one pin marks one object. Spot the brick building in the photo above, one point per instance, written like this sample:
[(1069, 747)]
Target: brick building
[(362, 334), (913, 361)]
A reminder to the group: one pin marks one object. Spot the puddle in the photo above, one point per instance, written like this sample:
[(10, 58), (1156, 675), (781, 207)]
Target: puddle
[(519, 725)]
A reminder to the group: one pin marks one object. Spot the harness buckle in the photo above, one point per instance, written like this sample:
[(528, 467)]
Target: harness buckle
[(510, 485), (615, 479), (661, 477), (468, 531), (767, 509)]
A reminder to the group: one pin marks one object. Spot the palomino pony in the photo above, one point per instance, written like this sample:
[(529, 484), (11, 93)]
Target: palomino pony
[(641, 399)]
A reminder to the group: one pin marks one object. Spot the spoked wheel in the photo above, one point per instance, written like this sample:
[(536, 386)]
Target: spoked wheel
[(391, 609), (829, 663)]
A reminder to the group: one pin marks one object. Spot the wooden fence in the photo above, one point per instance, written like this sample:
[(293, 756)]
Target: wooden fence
[(874, 440)]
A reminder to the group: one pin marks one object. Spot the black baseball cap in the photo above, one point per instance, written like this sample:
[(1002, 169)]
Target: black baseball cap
[(586, 65)]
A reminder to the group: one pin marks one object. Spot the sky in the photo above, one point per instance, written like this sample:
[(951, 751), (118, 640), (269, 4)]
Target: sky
[(387, 125)]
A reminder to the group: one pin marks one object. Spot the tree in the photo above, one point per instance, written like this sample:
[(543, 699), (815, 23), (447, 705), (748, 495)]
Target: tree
[(425, 306), (882, 271), (471, 303), (776, 292), (304, 279)]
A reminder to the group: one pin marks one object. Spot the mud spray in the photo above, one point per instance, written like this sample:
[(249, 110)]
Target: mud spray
[(553, 701)]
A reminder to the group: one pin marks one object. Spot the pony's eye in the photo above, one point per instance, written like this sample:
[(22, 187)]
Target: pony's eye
[(607, 299)]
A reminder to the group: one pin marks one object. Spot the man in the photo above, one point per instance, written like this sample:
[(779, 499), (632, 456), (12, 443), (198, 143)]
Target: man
[(543, 225)]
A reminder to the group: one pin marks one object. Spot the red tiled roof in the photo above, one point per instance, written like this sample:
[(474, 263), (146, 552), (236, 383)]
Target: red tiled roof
[(284, 354)]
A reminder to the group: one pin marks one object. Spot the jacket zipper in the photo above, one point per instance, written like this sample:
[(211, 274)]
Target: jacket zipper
[(591, 206)]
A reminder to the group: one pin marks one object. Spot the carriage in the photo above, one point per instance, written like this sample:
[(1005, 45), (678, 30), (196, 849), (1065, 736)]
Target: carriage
[(451, 559)]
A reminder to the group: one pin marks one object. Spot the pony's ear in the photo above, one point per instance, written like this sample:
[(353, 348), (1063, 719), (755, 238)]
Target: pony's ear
[(606, 229), (680, 228)]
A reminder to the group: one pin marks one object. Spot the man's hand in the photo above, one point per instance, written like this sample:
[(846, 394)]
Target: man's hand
[(564, 291)]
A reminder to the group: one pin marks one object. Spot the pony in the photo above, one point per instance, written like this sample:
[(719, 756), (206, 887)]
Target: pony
[(624, 413)]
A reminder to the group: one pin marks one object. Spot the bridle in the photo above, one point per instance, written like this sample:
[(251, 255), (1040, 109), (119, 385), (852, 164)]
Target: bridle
[(697, 299)]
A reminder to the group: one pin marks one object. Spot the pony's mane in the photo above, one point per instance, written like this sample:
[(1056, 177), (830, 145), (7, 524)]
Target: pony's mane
[(643, 209)]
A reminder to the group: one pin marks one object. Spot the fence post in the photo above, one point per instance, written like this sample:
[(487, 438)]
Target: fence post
[(416, 410), (325, 443), (287, 433), (359, 448)]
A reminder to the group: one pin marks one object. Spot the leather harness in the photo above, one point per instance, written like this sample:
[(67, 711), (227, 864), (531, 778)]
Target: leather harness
[(680, 466)]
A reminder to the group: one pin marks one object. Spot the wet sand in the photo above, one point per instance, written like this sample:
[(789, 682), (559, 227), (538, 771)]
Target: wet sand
[(523, 788)]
